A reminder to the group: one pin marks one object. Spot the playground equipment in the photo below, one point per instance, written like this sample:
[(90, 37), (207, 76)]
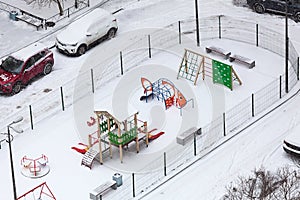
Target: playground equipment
[(38, 193), (193, 64), (35, 168), (112, 132), (164, 90)]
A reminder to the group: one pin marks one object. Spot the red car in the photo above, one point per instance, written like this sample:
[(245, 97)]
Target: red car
[(21, 67)]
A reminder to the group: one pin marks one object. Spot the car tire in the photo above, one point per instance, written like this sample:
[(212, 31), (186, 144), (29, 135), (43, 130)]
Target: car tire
[(259, 8), (47, 68), (16, 88), (81, 50), (297, 17), (111, 33)]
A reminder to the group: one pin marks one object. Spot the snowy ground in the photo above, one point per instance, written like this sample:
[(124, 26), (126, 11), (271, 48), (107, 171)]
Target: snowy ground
[(55, 136)]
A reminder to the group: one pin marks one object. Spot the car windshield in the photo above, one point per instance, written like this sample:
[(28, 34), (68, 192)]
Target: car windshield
[(12, 65)]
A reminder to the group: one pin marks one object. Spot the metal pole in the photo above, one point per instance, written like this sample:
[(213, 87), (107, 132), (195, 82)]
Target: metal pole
[(165, 164), (31, 118), (224, 124), (257, 35), (280, 87), (252, 102), (197, 23), (11, 164), (92, 79), (179, 31), (149, 46), (286, 51), (220, 36), (121, 62), (133, 185), (62, 99), (195, 144)]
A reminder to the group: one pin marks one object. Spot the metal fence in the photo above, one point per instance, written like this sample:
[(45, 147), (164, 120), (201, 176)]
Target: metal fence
[(146, 45), (67, 12)]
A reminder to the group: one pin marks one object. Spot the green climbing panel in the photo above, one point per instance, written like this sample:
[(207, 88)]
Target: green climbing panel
[(222, 73), (124, 138), (104, 126)]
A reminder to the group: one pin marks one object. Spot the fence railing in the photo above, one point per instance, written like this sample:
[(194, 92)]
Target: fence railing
[(145, 45), (67, 12), (6, 7)]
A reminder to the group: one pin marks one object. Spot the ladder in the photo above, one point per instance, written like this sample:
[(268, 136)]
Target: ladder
[(89, 157)]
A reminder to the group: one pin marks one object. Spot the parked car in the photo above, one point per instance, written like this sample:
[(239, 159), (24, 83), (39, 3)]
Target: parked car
[(277, 6), (291, 143), (80, 35), (21, 67)]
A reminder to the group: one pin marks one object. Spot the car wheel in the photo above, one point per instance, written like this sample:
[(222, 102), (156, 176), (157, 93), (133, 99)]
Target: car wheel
[(81, 50), (297, 17), (47, 68), (259, 8), (17, 88), (111, 33)]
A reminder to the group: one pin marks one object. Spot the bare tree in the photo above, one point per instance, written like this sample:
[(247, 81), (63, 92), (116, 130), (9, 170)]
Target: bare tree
[(264, 185), (43, 3), (288, 185)]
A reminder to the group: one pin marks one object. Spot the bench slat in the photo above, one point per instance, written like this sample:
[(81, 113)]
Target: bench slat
[(218, 50), (242, 59)]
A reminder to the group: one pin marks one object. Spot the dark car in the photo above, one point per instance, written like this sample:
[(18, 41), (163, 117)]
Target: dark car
[(277, 6), (21, 67)]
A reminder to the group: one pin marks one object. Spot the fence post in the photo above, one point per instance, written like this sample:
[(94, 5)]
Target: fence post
[(280, 95), (88, 3), (220, 36), (257, 35), (165, 164), (121, 62), (92, 78), (62, 98), (252, 104), (68, 12), (133, 185), (224, 124), (195, 144), (298, 68), (76, 4), (149, 44), (179, 31), (45, 24), (31, 118)]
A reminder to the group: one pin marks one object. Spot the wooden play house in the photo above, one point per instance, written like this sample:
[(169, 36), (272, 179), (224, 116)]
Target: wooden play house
[(120, 133)]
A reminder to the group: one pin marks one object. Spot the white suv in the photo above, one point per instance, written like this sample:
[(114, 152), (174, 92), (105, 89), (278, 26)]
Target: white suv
[(86, 31)]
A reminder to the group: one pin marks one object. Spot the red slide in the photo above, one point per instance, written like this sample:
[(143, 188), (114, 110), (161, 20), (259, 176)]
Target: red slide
[(82, 151), (153, 137)]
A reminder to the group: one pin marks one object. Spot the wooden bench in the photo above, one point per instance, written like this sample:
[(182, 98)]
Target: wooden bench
[(242, 59), (97, 193), (30, 19), (218, 50)]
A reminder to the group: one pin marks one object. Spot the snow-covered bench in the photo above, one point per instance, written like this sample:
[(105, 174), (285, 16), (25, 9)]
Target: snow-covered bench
[(187, 135), (97, 193), (218, 50), (242, 59), (30, 19)]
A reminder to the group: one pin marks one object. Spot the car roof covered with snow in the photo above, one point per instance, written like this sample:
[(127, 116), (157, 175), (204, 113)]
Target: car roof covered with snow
[(28, 51), (80, 27)]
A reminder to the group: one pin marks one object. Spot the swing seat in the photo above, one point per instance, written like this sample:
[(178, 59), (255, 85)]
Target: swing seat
[(27, 164)]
